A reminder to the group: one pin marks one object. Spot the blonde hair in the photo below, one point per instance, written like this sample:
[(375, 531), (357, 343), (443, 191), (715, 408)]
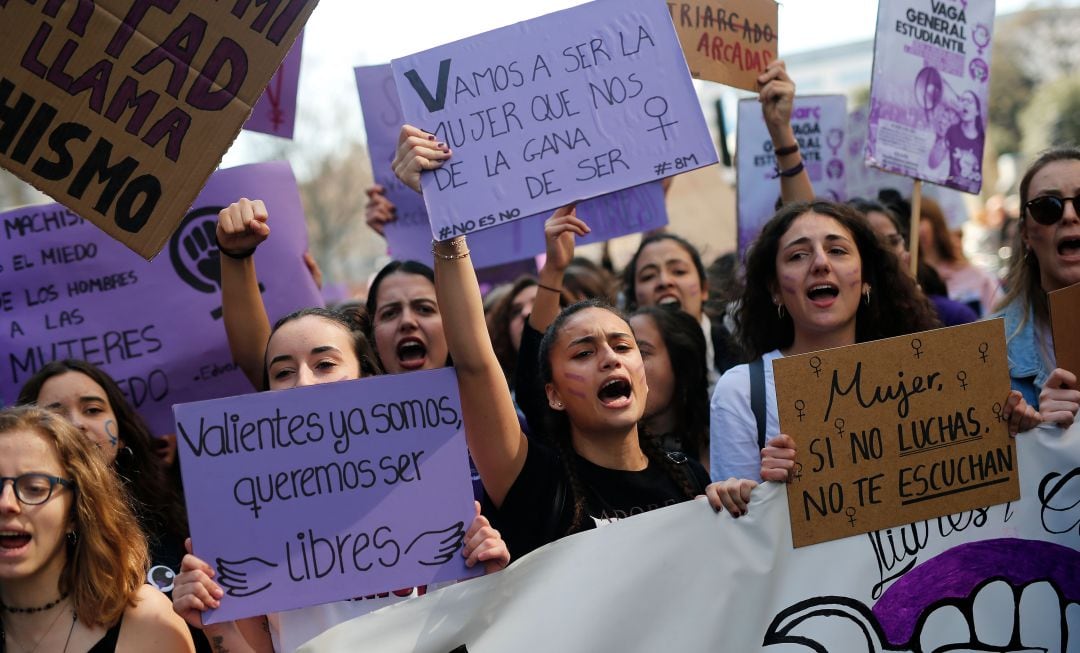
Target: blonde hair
[(107, 562)]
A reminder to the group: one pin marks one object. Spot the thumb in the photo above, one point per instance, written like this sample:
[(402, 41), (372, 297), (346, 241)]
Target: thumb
[(476, 504)]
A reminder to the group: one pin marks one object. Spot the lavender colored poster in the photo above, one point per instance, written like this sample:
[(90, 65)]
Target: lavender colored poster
[(323, 493), (567, 106), (866, 181), (68, 290), (820, 126), (275, 112), (929, 90), (616, 214)]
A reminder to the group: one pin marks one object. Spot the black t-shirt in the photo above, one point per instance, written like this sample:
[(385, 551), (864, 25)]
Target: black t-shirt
[(539, 507)]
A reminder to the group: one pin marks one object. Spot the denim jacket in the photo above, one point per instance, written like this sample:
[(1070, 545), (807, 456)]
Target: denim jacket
[(1028, 368)]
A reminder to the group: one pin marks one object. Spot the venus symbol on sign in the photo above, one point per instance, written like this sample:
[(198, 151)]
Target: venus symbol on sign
[(983, 348), (997, 412), (815, 364), (961, 376), (657, 101), (850, 512), (839, 424), (916, 344), (800, 406)]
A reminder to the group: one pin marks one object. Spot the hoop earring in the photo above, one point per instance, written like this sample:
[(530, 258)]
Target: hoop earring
[(866, 294), (779, 311), (127, 452)]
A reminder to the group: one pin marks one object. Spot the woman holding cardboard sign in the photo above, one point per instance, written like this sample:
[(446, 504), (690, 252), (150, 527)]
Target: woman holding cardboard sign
[(309, 347), (72, 559), (1049, 238)]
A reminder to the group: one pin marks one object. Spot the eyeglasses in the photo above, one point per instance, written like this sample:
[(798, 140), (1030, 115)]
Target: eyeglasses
[(34, 489), (1048, 209)]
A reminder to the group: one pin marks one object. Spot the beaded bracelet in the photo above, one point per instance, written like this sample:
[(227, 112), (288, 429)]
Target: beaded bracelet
[(459, 248)]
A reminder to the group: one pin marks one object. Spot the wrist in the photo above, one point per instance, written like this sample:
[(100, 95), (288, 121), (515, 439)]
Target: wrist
[(450, 250), (233, 254)]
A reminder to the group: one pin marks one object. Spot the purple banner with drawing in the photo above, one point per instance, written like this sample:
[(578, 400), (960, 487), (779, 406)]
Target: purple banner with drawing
[(820, 126), (68, 290), (275, 112), (567, 106), (328, 492), (929, 91), (623, 212)]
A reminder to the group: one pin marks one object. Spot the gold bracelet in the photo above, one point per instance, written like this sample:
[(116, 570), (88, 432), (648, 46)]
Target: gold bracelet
[(457, 247)]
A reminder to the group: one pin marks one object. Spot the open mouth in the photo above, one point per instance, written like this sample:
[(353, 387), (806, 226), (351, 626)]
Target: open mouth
[(615, 393), (411, 353), (669, 300), (13, 540), (823, 292), (1069, 247)]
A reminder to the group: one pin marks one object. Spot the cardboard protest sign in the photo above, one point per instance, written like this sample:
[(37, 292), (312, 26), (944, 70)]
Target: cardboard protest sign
[(731, 42), (929, 90), (67, 290), (275, 112), (623, 212), (327, 492), (819, 123), (897, 431), (120, 111), (1064, 318), (866, 181), (560, 108)]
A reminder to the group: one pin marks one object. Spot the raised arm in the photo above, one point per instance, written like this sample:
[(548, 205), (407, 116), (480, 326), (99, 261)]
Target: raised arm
[(241, 228), (777, 98), (494, 436), (560, 230)]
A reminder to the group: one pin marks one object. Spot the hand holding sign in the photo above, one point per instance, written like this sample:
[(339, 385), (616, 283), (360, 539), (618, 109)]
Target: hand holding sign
[(560, 233), (777, 98), (379, 210), (417, 151)]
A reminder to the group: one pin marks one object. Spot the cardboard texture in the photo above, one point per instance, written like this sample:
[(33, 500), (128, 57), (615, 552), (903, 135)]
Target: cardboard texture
[(929, 91), (897, 431), (327, 492), (1065, 322), (67, 290), (558, 109), (120, 111), (819, 123), (731, 41)]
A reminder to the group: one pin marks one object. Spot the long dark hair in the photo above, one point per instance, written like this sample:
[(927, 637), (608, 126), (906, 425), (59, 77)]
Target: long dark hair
[(897, 307), (688, 352), (158, 505), (498, 323), (393, 267), (353, 319), (630, 271), (558, 422), (1024, 279)]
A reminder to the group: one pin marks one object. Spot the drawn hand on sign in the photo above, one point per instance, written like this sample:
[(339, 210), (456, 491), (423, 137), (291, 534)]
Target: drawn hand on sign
[(417, 151), (237, 576), (1059, 496), (434, 548), (194, 253), (996, 617)]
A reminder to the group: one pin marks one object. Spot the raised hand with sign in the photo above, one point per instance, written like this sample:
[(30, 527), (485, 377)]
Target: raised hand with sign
[(777, 99), (417, 151), (379, 210)]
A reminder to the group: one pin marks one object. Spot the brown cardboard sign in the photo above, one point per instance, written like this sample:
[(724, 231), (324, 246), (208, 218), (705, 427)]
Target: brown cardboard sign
[(120, 110), (897, 431), (1065, 322), (727, 41)]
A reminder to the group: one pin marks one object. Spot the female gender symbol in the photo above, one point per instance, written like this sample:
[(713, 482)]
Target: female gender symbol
[(659, 115), (839, 424), (835, 139), (997, 412), (800, 406), (916, 344), (981, 36), (961, 376), (850, 512), (983, 348), (815, 364)]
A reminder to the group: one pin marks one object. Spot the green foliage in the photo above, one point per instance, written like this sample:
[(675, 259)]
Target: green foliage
[(1052, 117)]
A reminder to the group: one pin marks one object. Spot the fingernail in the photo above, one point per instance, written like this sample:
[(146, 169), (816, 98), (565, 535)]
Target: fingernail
[(431, 137)]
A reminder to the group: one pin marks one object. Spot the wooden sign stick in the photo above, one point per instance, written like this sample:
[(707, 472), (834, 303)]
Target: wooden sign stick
[(913, 235)]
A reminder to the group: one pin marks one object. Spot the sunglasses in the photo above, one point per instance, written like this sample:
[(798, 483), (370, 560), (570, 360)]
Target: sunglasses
[(1048, 209)]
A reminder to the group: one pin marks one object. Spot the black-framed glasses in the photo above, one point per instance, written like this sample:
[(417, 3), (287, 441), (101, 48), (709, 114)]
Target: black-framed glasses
[(34, 489), (1048, 209)]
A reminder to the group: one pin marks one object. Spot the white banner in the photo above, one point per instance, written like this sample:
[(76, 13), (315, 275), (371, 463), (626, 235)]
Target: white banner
[(1004, 578)]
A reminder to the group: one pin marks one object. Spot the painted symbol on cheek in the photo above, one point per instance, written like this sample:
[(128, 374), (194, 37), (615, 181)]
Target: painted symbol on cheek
[(110, 430), (574, 391)]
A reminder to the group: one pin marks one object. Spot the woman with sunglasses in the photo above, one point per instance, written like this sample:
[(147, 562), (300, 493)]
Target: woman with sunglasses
[(1049, 239), (73, 561)]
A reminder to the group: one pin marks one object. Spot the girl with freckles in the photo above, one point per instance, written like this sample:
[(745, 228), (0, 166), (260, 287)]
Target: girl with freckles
[(818, 277)]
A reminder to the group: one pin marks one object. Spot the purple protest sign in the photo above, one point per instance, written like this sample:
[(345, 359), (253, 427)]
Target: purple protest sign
[(68, 290), (275, 112), (819, 123), (327, 492), (628, 211), (571, 105), (929, 91)]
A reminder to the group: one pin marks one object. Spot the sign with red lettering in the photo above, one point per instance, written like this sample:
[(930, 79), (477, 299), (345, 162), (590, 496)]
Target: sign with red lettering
[(897, 431), (121, 110), (730, 41)]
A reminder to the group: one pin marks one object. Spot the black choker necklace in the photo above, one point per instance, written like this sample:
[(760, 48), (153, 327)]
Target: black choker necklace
[(43, 608)]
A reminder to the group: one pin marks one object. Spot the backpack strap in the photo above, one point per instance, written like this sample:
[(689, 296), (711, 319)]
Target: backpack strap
[(757, 397)]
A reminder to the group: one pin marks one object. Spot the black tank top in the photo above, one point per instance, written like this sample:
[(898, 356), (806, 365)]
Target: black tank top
[(107, 644)]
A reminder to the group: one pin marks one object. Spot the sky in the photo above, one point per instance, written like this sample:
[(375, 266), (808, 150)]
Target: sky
[(342, 34)]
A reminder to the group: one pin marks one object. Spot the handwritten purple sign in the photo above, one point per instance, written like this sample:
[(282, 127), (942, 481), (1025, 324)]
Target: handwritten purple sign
[(571, 105), (68, 290), (616, 214), (930, 89), (820, 126), (275, 112), (324, 493)]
